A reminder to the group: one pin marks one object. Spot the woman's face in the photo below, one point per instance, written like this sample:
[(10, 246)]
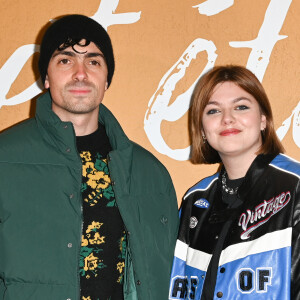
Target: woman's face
[(232, 121)]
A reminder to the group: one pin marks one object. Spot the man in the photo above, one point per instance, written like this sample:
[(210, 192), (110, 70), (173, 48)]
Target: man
[(85, 213)]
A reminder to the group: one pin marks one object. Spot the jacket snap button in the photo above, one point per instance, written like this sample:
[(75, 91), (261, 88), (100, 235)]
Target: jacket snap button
[(216, 237), (70, 245), (65, 126), (222, 270), (219, 294), (138, 282), (68, 150), (71, 196), (113, 183)]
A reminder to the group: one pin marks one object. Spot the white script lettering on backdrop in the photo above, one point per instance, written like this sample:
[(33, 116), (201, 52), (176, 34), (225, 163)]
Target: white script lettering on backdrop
[(158, 106), (213, 7), (13, 66)]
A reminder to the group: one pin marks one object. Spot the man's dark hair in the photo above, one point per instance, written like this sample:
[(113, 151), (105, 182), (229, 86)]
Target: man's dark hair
[(73, 42)]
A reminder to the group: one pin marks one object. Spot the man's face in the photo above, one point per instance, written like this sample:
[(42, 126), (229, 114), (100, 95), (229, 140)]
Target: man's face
[(77, 81)]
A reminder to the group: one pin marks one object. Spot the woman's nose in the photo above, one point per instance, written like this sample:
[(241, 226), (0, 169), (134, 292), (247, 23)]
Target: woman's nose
[(228, 117)]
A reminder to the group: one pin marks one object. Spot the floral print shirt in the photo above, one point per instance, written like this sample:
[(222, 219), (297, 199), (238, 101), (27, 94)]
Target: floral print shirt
[(102, 254)]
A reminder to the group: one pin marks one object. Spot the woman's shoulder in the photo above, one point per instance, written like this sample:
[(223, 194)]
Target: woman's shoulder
[(286, 164), (203, 185)]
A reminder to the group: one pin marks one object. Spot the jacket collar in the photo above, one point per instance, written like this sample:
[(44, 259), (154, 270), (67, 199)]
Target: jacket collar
[(254, 173), (54, 130), (56, 133), (220, 212), (61, 136)]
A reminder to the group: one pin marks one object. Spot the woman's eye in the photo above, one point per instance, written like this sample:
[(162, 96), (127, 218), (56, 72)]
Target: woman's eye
[(212, 111), (242, 107)]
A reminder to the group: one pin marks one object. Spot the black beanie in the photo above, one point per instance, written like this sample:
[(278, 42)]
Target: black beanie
[(75, 27)]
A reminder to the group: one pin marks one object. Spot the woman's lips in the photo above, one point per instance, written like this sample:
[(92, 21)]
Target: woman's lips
[(232, 131)]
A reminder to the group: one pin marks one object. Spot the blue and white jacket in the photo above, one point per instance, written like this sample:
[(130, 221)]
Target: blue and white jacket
[(260, 254)]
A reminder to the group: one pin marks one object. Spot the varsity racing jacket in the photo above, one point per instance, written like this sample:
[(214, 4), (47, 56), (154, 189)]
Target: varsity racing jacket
[(257, 244)]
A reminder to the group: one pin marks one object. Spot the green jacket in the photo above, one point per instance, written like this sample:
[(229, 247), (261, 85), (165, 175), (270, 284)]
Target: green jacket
[(40, 210)]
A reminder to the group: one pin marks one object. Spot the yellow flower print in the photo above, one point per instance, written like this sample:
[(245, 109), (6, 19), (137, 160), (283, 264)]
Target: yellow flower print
[(98, 180), (86, 298), (88, 168), (120, 266), (96, 238), (94, 225), (92, 234), (84, 242), (90, 262), (121, 243), (86, 156), (92, 198)]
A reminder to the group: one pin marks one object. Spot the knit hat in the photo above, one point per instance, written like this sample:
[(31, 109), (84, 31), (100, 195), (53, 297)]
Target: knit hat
[(75, 27)]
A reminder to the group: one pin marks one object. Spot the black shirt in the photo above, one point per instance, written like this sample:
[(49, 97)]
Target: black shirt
[(102, 254)]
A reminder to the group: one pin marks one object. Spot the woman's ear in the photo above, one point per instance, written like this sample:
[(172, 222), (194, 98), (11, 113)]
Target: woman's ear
[(263, 123)]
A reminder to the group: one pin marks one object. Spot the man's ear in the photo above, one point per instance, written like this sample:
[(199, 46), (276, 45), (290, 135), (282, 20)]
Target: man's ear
[(46, 84)]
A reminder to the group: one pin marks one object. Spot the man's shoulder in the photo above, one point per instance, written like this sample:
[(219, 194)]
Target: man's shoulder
[(17, 136), (19, 128), (141, 153), (145, 162)]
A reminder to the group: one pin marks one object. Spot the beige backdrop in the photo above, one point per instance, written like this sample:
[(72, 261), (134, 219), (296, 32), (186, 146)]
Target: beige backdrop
[(161, 48)]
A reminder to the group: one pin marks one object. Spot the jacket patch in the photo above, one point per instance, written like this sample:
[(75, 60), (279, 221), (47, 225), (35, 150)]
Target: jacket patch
[(202, 203), (262, 213), (193, 222), (183, 287), (249, 280)]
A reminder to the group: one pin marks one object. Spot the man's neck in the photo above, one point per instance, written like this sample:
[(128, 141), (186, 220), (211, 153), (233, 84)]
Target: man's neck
[(84, 128), (84, 124)]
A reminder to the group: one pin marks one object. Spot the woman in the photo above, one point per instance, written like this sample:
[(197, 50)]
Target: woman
[(239, 236)]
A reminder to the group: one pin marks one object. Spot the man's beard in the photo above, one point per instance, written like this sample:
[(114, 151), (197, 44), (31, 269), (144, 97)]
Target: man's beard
[(81, 105)]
